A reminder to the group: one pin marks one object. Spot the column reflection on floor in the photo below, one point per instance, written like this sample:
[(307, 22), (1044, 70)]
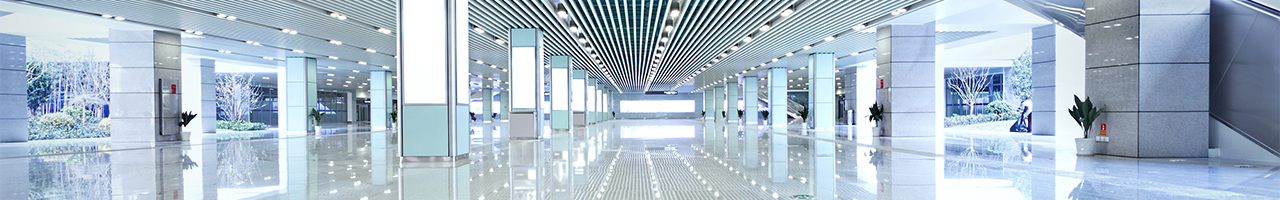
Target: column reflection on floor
[(731, 141), (146, 173), (750, 148), (526, 161), (380, 155), (299, 168), (822, 170), (201, 178), (778, 155), (560, 169)]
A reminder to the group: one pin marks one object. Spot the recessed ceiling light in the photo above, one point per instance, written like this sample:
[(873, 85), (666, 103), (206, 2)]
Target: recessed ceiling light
[(335, 42), (298, 51), (669, 28), (285, 30), (361, 63), (333, 57), (232, 18), (384, 31), (829, 38), (787, 12), (371, 50), (385, 67), (268, 58), (330, 74), (219, 15), (331, 67), (562, 14), (859, 27), (899, 11), (356, 71), (266, 77), (106, 16), (119, 18), (499, 41), (764, 27), (807, 47)]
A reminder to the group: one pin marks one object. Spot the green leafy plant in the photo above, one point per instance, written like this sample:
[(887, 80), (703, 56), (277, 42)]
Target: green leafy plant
[(740, 113), (186, 118), (316, 115), (877, 113), (57, 119), (1084, 113), (961, 120), (764, 114), (804, 114), (393, 116), (998, 107), (241, 126)]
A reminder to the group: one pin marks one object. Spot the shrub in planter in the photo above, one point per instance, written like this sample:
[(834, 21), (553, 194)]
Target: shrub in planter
[(961, 120), (999, 107), (241, 126), (57, 120), (105, 124)]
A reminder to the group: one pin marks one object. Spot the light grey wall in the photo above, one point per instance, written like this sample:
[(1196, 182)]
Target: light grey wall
[(618, 97)]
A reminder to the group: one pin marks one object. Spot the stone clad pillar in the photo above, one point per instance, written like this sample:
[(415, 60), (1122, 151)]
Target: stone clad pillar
[(1147, 62), (822, 90), (720, 103), (380, 106), (145, 75), (908, 80), (709, 105), (13, 66), (504, 112), (297, 95), (731, 101), (434, 93), (200, 97), (778, 96), (750, 92), (486, 99)]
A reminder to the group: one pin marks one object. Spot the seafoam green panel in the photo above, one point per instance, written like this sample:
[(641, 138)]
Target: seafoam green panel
[(425, 130)]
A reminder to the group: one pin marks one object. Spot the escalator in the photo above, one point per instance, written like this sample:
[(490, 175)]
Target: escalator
[(1244, 69)]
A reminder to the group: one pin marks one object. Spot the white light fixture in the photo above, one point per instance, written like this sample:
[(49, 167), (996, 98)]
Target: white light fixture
[(285, 30), (371, 50), (333, 57), (106, 16), (266, 77), (478, 29), (384, 31), (899, 11), (829, 38), (675, 13), (335, 42), (669, 28), (859, 27), (807, 47), (356, 71), (232, 18), (479, 62), (219, 15), (787, 12), (746, 39), (298, 51), (331, 67), (734, 48), (582, 40), (361, 63), (119, 18), (855, 53), (268, 58), (764, 27), (499, 41), (665, 39), (562, 14), (774, 60)]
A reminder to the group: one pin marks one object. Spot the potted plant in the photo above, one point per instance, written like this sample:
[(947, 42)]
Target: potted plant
[(392, 116), (765, 115), (1084, 113), (186, 119), (740, 113), (877, 115), (804, 114), (316, 116)]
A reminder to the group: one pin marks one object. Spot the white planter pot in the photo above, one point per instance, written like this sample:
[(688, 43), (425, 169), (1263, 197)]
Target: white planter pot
[(186, 135), (875, 131), (317, 129), (1084, 146)]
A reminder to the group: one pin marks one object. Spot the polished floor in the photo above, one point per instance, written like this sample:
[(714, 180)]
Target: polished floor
[(622, 159)]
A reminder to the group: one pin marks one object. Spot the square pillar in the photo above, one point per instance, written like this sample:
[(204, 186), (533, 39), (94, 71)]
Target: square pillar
[(778, 96), (561, 113), (504, 111), (145, 75), (822, 90), (908, 80), (297, 95), (435, 93), (709, 105), (200, 96), (750, 92), (380, 99), (731, 101), (526, 83), (720, 111), (13, 66), (486, 105), (1147, 63), (1055, 84), (579, 87), (591, 101)]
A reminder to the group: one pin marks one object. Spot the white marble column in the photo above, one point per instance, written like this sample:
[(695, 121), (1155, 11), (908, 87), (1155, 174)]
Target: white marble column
[(13, 110), (1057, 74), (720, 100), (434, 91), (1147, 62), (777, 96), (708, 105), (750, 92), (822, 90), (297, 95), (380, 92), (731, 101), (504, 112), (486, 99), (591, 101), (145, 75), (908, 80)]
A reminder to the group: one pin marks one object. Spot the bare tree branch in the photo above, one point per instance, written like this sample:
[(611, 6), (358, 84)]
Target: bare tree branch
[(237, 97), (969, 83)]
